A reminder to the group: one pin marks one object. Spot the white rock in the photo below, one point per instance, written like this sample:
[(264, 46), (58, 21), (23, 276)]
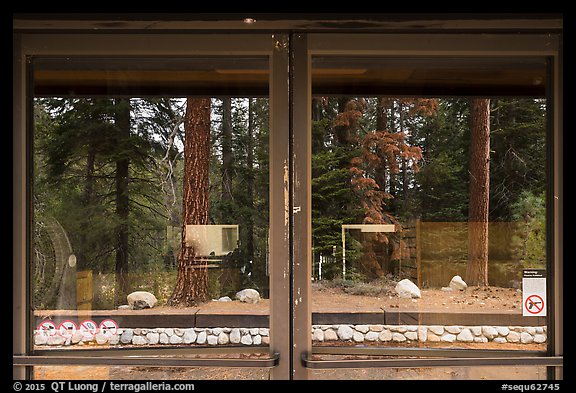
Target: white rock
[(257, 340), (179, 332), (489, 332), (253, 331), (330, 335), (224, 299), (174, 339), (407, 289), (480, 339), (458, 284), (447, 289), (453, 329), (476, 330), (235, 336), (398, 328), (248, 296), (448, 338), (362, 328), (141, 299), (513, 337), (201, 338), (413, 336), (169, 331), (77, 337), (139, 340), (526, 338), (126, 336), (385, 335), (318, 335), (412, 328), (437, 330), (153, 338), (500, 340), (101, 339), (398, 337), (465, 336), (223, 338), (246, 339), (376, 328), (371, 336), (358, 337), (164, 338), (502, 331), (112, 340), (433, 338), (264, 331), (124, 307), (345, 332), (40, 339), (212, 340), (189, 336), (422, 333), (539, 338)]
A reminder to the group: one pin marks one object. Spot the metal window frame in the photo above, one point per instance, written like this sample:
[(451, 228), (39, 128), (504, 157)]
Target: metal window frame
[(290, 228), (139, 45), (547, 46)]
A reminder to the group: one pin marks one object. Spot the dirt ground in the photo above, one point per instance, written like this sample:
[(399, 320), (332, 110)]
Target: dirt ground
[(336, 299)]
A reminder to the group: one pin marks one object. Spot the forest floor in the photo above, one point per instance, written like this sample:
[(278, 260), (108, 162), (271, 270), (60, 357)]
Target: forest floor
[(473, 299)]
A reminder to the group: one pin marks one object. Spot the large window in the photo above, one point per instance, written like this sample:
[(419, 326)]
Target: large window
[(150, 205), (287, 206)]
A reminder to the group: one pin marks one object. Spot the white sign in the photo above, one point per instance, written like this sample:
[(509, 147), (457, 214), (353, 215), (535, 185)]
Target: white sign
[(108, 327), (67, 328), (88, 328), (47, 328), (534, 293)]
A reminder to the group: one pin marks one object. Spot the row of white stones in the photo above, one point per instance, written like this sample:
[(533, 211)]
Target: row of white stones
[(402, 333), (320, 333)]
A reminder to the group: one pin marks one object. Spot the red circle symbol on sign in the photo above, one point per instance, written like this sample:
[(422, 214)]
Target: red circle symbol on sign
[(108, 327), (67, 328), (47, 328), (534, 304), (88, 328)]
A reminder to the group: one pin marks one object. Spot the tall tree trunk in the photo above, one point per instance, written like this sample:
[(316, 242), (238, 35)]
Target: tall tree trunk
[(250, 184), (477, 268), (122, 122), (192, 278), (86, 201), (227, 157)]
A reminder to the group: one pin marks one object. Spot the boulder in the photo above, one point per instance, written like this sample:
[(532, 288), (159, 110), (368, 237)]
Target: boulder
[(248, 296), (345, 332), (141, 299), (407, 289), (458, 284)]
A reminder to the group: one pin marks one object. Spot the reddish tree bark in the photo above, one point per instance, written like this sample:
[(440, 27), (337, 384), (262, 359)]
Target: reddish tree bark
[(192, 279), (477, 267)]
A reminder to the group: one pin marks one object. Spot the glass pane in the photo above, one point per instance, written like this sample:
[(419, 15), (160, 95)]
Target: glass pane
[(150, 220), (429, 210)]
